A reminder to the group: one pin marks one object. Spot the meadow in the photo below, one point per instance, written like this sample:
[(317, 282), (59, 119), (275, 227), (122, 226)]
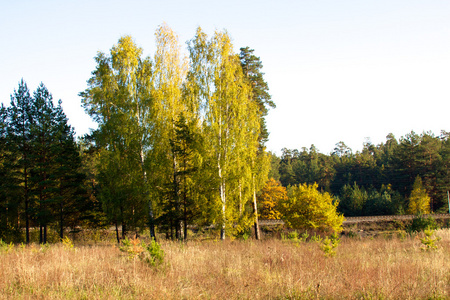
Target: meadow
[(390, 267)]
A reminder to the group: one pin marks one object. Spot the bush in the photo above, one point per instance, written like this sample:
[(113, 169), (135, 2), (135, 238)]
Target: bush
[(429, 241), (419, 223), (150, 253), (329, 244), (154, 255), (5, 246), (307, 208)]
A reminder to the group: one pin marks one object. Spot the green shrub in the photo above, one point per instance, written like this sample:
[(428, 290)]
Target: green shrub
[(150, 253), (329, 244), (316, 238), (154, 255), (5, 246), (293, 235), (67, 243), (429, 242), (419, 223), (304, 236)]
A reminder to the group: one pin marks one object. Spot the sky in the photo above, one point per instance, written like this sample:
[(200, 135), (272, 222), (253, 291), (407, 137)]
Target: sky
[(351, 71)]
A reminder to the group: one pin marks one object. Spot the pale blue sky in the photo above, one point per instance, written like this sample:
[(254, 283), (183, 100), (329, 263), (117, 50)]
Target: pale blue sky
[(337, 70)]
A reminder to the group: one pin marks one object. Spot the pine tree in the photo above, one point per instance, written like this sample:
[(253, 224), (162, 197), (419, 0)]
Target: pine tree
[(44, 153), (19, 136), (251, 66), (69, 198), (5, 174)]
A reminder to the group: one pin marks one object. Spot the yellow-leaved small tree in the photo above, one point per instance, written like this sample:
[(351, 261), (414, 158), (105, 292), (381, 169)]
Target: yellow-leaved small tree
[(306, 207), (419, 201)]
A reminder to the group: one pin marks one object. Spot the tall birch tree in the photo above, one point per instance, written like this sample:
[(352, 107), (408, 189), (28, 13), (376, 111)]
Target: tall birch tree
[(118, 97), (169, 74), (231, 127)]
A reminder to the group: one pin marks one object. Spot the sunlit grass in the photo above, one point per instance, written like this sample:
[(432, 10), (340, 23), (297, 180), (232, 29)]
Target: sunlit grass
[(272, 269)]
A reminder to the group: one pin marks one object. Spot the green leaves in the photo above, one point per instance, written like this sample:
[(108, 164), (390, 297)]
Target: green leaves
[(156, 113)]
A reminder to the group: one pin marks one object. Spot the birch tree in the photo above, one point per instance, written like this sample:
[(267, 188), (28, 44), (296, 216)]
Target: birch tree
[(118, 97), (168, 77), (229, 118)]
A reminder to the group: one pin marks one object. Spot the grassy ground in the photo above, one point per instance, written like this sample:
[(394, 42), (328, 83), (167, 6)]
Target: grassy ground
[(370, 268)]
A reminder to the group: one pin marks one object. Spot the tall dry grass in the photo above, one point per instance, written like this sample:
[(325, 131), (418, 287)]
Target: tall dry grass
[(272, 269)]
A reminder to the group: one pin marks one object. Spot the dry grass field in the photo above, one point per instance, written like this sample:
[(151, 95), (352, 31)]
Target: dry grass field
[(371, 268)]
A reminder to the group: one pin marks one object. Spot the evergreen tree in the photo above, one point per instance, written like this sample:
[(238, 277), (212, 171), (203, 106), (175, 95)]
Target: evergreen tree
[(6, 175), (19, 136), (44, 153), (69, 195), (251, 66)]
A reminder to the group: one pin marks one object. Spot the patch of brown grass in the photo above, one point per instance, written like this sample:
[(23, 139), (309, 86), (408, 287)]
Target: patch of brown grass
[(271, 269)]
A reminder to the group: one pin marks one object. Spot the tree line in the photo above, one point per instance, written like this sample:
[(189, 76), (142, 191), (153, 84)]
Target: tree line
[(40, 167), (181, 141), (382, 179)]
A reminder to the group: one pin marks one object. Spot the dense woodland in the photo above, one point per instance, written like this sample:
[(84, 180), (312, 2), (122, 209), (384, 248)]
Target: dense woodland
[(181, 141), (380, 179)]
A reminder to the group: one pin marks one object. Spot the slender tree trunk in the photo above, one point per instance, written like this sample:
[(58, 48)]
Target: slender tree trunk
[(255, 211), (117, 232), (223, 198), (27, 221), (222, 181), (124, 230), (240, 198), (151, 218), (27, 218), (61, 220), (176, 195), (123, 223), (185, 206)]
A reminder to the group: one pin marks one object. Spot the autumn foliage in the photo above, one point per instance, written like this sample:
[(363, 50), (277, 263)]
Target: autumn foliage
[(306, 207), (419, 201), (271, 196)]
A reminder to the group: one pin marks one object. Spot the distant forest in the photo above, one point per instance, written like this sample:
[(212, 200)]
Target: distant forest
[(377, 180)]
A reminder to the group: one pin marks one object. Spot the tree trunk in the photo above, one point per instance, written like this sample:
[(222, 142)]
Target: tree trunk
[(222, 197), (61, 221), (255, 211), (117, 232), (151, 218), (27, 221)]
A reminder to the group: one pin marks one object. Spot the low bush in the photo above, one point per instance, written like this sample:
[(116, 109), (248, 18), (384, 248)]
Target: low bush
[(419, 223)]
